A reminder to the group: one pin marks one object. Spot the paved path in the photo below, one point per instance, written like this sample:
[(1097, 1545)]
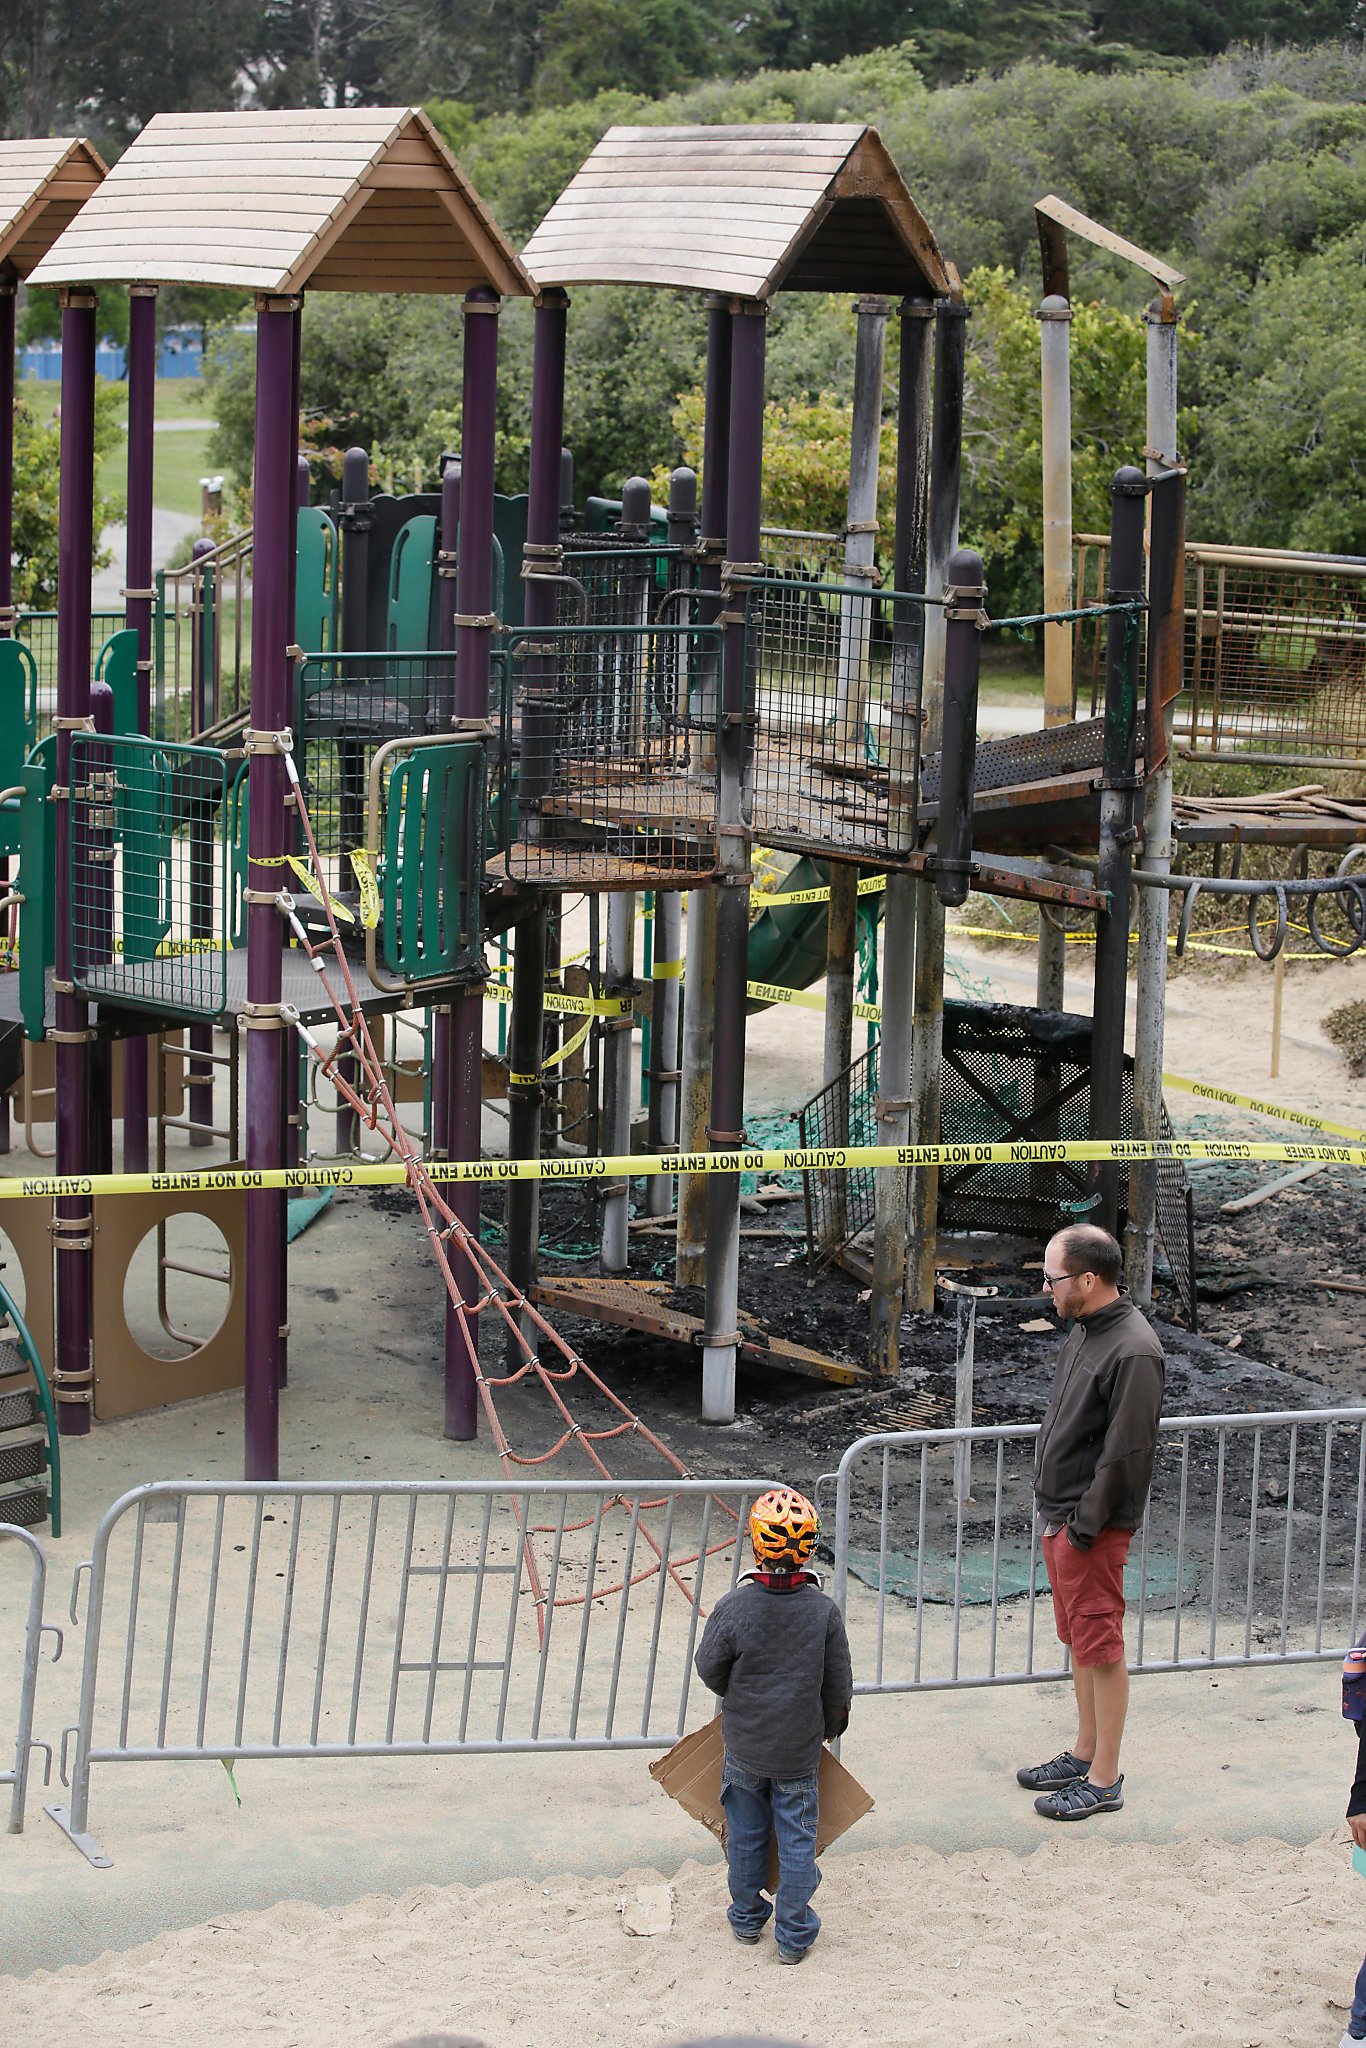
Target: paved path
[(169, 529)]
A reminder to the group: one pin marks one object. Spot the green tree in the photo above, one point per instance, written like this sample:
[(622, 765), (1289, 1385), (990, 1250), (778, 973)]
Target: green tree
[(37, 463)]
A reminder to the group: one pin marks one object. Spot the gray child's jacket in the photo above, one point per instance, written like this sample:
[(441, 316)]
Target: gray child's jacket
[(780, 1661)]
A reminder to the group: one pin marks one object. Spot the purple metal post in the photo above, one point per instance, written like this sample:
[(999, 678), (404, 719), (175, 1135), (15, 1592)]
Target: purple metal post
[(73, 1380), (445, 611), (270, 830), (137, 613), (473, 602), (537, 688), (743, 517), (9, 283)]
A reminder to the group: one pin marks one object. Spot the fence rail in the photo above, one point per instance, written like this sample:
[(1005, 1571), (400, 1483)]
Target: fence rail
[(24, 1744), (394, 1619), (1249, 1553)]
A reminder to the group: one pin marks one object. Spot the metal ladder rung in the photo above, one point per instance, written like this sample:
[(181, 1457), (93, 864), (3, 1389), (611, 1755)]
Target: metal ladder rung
[(189, 1123), (196, 1272), (185, 1052)]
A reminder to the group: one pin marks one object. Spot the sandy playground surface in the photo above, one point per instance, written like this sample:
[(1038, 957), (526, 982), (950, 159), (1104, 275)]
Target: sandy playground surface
[(1207, 1943)]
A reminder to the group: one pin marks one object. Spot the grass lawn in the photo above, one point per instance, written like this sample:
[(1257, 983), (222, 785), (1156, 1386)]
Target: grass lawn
[(180, 456)]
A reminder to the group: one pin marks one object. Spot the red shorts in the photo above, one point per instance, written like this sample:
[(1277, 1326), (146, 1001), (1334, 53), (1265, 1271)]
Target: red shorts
[(1088, 1594)]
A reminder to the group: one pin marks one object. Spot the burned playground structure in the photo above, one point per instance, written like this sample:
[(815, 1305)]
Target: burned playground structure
[(410, 727)]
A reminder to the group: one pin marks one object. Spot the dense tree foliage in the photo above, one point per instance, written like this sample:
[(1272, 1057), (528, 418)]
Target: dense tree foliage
[(37, 445)]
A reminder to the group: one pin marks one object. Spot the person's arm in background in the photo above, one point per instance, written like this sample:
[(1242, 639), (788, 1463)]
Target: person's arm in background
[(1356, 1803)]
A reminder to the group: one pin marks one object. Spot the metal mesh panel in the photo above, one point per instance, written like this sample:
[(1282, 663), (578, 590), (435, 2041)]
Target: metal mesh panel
[(38, 631), (620, 744), (149, 869), (812, 557), (1007, 1074), (833, 689), (1275, 653), (349, 705)]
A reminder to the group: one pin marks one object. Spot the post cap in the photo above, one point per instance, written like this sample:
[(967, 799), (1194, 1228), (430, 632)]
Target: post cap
[(1129, 483), (355, 476)]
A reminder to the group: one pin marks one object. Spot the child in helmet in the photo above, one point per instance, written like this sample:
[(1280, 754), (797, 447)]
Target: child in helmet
[(775, 1650)]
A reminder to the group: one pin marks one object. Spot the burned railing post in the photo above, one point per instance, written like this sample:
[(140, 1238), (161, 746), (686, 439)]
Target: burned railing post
[(927, 1025), (1118, 788), (699, 995), (540, 567), (733, 745), (908, 652), (964, 619)]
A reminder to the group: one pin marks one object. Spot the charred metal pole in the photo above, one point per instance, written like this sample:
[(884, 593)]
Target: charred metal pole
[(1119, 788), (699, 995), (270, 829), (74, 1222), (898, 915), (927, 1026), (472, 494), (1055, 318), (538, 739), (964, 618), (138, 598), (1165, 680), (666, 967), (721, 1336)]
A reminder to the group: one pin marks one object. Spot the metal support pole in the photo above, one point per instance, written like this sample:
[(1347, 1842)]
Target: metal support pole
[(963, 617), (270, 836), (898, 944), (73, 1379), (1119, 789), (469, 500), (9, 283), (927, 1027), (743, 516), (1055, 318), (538, 717), (666, 965), (1051, 967), (700, 992), (619, 979), (860, 529), (137, 613), (446, 610), (1165, 680)]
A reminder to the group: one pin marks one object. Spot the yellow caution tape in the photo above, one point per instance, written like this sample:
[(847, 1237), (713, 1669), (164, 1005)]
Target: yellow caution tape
[(571, 1045), (314, 886), (869, 885), (1084, 938), (757, 1159), (363, 869), (1304, 1117), (805, 999), (573, 1006), (667, 970)]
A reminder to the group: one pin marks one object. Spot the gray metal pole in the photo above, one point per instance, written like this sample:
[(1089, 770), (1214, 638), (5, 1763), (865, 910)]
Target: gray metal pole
[(699, 997), (1051, 966), (898, 951), (618, 979), (667, 963), (1118, 795), (1055, 317), (721, 1332), (927, 1027)]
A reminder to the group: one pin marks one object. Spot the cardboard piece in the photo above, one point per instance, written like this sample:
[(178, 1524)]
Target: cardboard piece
[(691, 1773)]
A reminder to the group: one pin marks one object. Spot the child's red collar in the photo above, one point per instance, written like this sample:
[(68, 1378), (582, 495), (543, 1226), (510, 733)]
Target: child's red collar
[(783, 1582)]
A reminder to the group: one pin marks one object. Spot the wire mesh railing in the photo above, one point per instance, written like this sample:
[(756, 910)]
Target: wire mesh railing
[(349, 706), (614, 726), (150, 896), (38, 631), (834, 695), (1007, 1074), (1275, 654)]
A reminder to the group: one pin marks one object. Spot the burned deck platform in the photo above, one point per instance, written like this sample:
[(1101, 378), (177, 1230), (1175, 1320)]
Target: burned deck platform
[(644, 1305)]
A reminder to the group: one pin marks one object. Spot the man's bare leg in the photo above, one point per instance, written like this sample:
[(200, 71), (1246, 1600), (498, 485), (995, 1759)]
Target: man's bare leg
[(1106, 1689)]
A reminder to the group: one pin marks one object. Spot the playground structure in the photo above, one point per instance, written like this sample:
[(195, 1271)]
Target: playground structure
[(460, 708)]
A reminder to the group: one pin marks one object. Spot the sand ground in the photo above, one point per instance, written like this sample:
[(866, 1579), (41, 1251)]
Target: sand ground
[(357, 1901)]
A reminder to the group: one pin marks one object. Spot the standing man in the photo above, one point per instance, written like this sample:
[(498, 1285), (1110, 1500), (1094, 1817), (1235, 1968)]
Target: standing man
[(1093, 1465)]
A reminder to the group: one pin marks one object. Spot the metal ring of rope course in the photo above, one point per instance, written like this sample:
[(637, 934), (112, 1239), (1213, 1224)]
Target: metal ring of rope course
[(1254, 928), (1352, 900)]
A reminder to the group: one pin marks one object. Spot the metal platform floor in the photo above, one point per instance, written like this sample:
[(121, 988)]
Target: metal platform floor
[(210, 987)]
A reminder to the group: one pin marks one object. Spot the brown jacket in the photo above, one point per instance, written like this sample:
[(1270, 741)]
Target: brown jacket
[(1093, 1462)]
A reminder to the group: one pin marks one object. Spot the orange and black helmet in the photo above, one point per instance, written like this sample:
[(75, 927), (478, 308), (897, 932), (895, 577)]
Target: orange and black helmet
[(783, 1527)]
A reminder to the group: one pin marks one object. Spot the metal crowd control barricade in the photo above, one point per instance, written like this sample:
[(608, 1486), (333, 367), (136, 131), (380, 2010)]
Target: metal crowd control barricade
[(24, 1744), (1249, 1554), (394, 1618)]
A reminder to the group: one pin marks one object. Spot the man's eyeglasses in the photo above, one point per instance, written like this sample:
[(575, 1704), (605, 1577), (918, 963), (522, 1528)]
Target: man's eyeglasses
[(1051, 1280)]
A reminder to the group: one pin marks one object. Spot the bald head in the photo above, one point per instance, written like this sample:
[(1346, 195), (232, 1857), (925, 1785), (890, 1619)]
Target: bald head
[(1082, 1266)]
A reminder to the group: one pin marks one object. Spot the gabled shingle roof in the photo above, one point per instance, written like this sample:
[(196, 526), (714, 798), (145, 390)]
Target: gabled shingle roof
[(350, 199), (43, 185), (745, 210)]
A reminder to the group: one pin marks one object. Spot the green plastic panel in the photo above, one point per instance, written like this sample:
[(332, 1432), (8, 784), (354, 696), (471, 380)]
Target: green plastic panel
[(433, 861), (18, 708), (408, 620), (117, 665), (315, 586)]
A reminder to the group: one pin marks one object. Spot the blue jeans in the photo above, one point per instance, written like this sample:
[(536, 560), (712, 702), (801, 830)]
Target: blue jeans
[(753, 1807), (1356, 2025)]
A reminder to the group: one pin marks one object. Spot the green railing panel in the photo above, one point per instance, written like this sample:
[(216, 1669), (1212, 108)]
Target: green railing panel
[(18, 708), (37, 883), (433, 860), (150, 885), (411, 566), (315, 581), (117, 665)]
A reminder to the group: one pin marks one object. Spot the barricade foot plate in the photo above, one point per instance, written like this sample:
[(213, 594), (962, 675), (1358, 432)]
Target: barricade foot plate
[(87, 1844)]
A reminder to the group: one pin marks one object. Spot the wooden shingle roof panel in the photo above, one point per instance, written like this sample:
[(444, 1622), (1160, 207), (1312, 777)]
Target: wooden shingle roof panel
[(738, 209), (44, 182), (270, 201)]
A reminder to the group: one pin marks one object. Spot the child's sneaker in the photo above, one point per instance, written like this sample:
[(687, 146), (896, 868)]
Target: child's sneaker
[(793, 1955)]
